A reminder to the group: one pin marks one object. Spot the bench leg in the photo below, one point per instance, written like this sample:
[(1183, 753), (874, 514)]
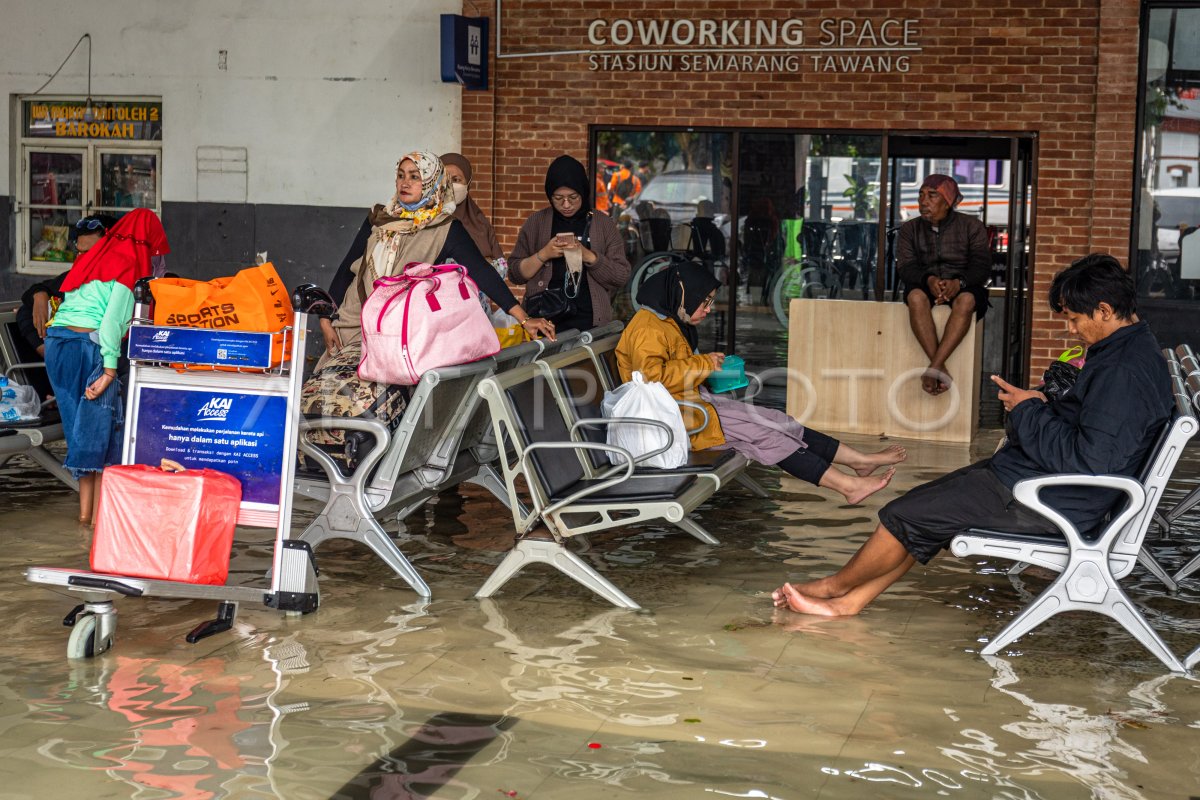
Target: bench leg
[(691, 526), (754, 486), (1185, 505), (1106, 597), (531, 551), (1188, 568), (52, 465), (490, 479), (1192, 659), (342, 518), (1154, 568)]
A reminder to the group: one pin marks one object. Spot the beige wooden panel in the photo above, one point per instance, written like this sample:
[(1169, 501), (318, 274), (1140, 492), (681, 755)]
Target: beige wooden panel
[(854, 366)]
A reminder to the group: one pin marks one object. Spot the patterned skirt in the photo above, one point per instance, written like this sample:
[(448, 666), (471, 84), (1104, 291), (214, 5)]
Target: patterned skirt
[(335, 390)]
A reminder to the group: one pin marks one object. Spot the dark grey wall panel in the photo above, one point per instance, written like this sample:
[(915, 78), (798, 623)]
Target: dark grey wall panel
[(208, 240)]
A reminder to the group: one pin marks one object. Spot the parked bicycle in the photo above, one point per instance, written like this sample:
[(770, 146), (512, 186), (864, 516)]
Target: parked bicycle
[(688, 243)]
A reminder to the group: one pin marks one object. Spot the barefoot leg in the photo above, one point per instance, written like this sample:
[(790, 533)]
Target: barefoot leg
[(850, 603), (880, 555), (866, 463), (962, 310), (87, 497), (855, 488)]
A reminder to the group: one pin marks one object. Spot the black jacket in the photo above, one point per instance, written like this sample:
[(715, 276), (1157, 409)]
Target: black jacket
[(25, 312), (957, 249), (1105, 425)]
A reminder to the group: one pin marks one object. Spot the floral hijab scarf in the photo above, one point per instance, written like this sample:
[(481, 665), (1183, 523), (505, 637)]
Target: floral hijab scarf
[(398, 224), (437, 198)]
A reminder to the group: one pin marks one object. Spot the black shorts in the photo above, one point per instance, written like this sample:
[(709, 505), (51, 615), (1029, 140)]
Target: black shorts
[(927, 518), (980, 293)]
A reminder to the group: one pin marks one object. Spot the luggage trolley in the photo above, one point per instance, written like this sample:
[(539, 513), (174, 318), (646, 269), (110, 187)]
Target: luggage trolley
[(242, 418)]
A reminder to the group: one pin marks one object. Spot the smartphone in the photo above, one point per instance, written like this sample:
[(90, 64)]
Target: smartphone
[(564, 239)]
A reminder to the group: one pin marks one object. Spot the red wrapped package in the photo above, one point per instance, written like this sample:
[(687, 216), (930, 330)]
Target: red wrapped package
[(175, 526)]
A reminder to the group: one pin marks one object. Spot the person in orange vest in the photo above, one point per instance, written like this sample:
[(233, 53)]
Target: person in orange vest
[(624, 186), (602, 201)]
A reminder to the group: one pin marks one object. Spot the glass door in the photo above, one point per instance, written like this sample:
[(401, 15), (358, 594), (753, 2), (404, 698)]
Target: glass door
[(1017, 296), (808, 226), (671, 194)]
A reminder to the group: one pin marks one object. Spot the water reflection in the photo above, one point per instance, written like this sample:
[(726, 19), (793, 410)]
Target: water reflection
[(1067, 739), (188, 731), (558, 674)]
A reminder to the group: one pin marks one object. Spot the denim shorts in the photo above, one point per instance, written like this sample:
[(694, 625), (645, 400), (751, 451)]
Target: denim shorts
[(92, 427)]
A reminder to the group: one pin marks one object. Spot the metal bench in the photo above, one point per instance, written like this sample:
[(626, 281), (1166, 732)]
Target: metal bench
[(443, 439), (1088, 569), (604, 358), (1185, 381), (575, 385), (28, 438), (539, 452)]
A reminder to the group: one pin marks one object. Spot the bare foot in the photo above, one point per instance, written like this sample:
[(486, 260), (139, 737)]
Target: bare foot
[(936, 380), (864, 487), (808, 605), (873, 461), (817, 588)]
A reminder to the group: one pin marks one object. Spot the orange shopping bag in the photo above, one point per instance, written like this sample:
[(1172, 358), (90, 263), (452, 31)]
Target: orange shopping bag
[(254, 299)]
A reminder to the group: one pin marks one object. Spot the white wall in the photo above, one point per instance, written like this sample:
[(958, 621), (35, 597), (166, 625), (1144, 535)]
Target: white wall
[(324, 94)]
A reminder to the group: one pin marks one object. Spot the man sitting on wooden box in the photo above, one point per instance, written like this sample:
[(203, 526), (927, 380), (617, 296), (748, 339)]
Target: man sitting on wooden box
[(943, 257), (1105, 424)]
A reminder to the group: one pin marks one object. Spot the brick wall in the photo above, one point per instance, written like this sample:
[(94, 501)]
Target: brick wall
[(1065, 69)]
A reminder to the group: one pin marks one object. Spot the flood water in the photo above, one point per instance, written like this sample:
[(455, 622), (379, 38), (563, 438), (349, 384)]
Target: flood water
[(545, 691)]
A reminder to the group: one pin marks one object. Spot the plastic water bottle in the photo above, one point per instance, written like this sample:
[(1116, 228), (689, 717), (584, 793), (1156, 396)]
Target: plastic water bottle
[(6, 391)]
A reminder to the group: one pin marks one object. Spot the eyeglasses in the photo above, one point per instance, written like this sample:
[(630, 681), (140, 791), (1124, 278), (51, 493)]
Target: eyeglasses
[(89, 224), (564, 199), (709, 301)]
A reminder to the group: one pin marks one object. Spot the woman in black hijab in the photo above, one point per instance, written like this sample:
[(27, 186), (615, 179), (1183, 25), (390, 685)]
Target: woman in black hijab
[(568, 254), (660, 342)]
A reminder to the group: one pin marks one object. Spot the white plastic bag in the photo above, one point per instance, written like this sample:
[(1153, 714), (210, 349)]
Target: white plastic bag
[(18, 403), (640, 400)]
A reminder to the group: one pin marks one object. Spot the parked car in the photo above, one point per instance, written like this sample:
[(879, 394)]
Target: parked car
[(677, 192)]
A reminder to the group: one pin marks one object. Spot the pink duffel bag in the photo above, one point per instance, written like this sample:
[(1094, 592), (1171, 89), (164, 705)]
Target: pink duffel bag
[(427, 317)]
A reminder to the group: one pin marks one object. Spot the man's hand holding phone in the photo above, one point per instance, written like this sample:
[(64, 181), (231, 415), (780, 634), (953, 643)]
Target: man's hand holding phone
[(1011, 397)]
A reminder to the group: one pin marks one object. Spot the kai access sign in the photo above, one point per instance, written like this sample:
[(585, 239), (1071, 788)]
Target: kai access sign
[(464, 51)]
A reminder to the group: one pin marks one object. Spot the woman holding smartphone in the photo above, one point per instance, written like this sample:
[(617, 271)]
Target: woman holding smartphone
[(572, 255)]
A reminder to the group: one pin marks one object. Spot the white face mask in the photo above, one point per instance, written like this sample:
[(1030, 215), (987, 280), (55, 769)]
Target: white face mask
[(460, 192)]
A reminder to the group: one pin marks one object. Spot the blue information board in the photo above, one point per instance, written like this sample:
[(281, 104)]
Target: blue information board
[(241, 434), (244, 349)]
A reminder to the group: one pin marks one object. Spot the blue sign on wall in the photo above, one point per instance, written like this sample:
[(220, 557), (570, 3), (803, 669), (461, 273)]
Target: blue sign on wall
[(465, 51), (241, 434)]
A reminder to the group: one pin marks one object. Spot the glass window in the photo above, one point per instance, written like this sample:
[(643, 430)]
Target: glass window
[(1167, 205), (56, 201), (128, 180)]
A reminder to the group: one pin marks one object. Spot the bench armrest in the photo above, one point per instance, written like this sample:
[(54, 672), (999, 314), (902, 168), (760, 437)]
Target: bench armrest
[(599, 487), (703, 411), (599, 421), (1027, 493), (383, 440), (24, 365)]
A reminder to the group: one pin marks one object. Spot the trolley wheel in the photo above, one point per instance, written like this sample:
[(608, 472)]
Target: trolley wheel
[(83, 641)]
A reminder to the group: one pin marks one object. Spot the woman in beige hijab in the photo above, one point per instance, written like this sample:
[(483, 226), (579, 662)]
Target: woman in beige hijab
[(417, 224)]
